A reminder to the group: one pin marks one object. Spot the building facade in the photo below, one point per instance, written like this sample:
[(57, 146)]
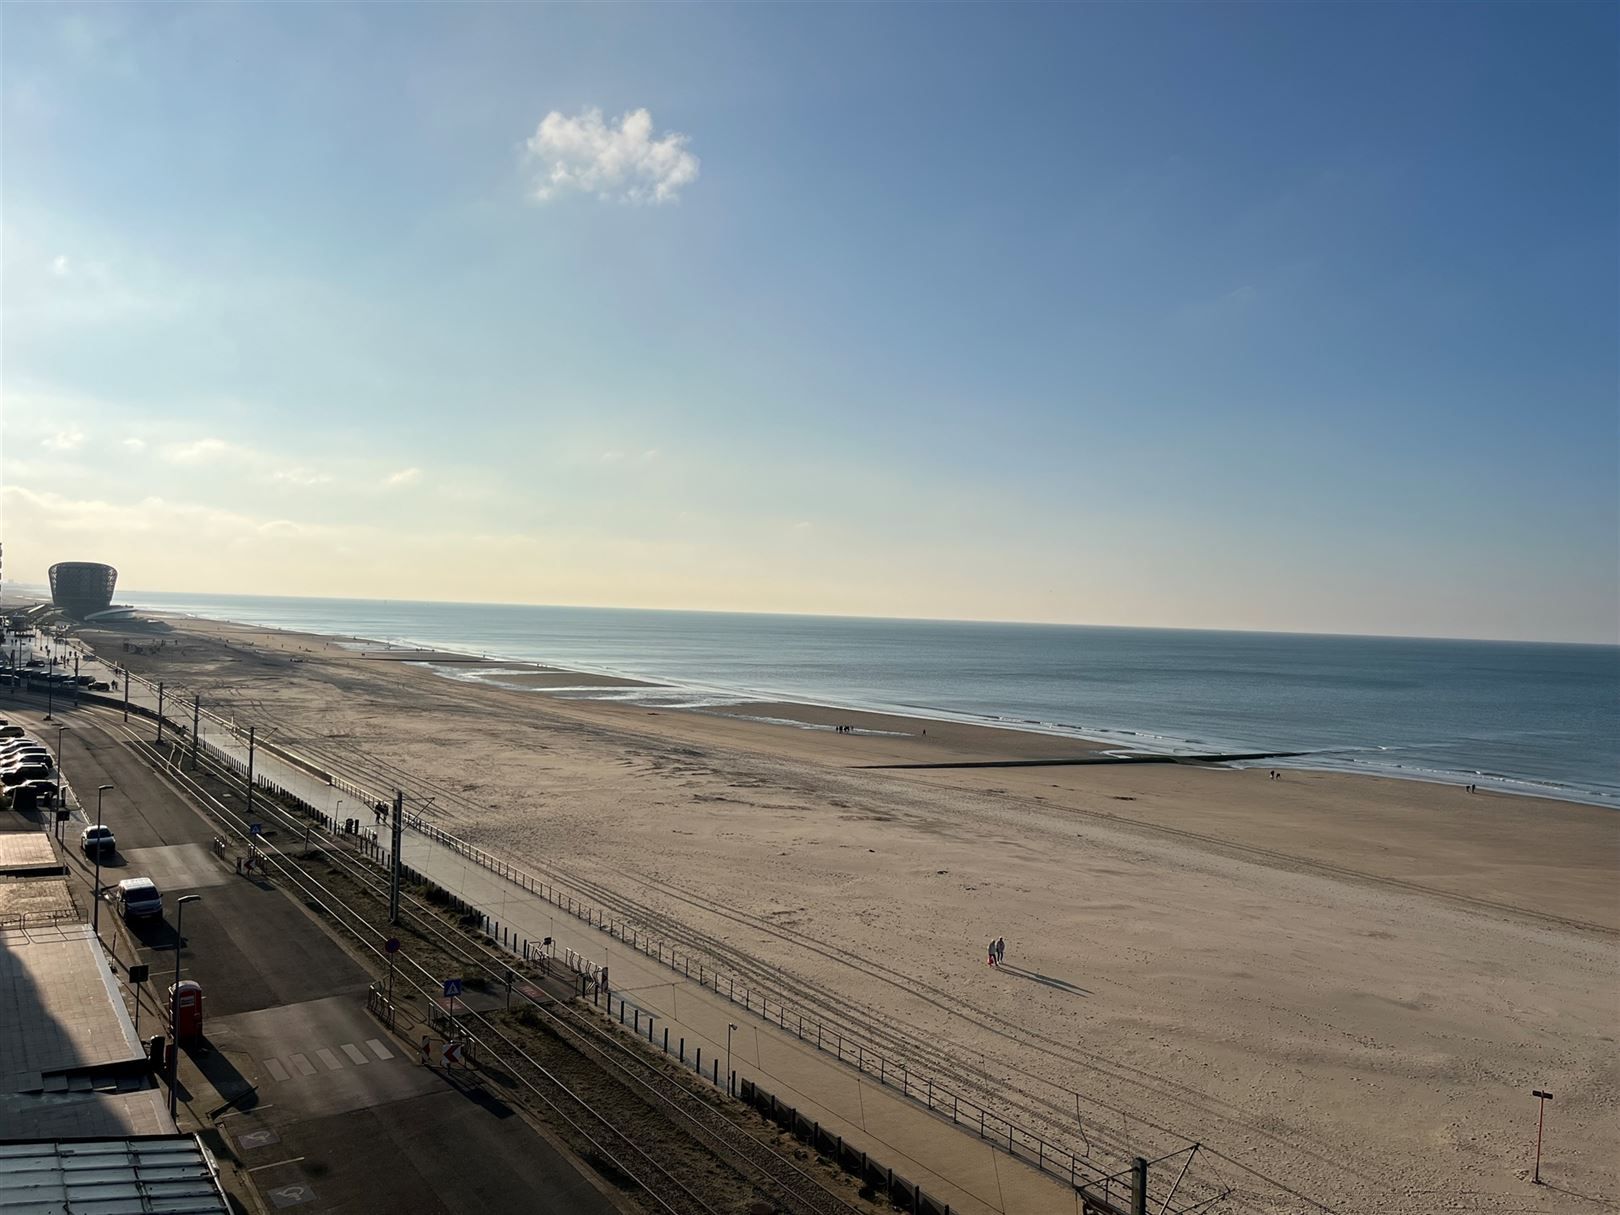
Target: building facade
[(81, 588)]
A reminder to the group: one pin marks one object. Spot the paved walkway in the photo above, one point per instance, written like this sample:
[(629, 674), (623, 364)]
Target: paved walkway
[(950, 1163)]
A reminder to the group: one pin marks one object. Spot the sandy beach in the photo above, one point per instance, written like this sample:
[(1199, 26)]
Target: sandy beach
[(1345, 986)]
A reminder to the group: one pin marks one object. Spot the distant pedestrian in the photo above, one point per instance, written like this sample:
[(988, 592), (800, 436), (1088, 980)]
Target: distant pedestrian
[(992, 952), (1001, 950)]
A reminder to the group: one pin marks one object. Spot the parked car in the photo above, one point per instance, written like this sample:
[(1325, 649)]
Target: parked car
[(12, 732), (13, 777), (138, 899), (32, 794), (27, 755), (97, 839)]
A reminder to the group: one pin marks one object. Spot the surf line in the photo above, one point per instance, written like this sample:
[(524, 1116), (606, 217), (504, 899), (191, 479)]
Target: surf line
[(1227, 758)]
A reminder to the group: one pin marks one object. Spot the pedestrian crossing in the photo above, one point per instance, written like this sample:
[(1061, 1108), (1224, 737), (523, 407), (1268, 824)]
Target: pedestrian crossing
[(298, 1065)]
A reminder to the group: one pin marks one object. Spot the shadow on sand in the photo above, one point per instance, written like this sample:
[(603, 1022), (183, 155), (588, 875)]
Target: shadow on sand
[(1046, 980)]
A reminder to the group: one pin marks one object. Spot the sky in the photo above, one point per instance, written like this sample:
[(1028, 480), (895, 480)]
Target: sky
[(1298, 317)]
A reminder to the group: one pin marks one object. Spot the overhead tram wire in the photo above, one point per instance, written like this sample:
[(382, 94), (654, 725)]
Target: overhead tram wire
[(356, 925), (882, 1039), (460, 948), (897, 1042)]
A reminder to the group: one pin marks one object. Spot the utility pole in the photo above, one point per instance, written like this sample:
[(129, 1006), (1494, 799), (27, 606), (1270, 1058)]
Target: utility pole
[(50, 686), (1139, 1168), (196, 721), (75, 681), (160, 713), (250, 773), (393, 864), (125, 671)]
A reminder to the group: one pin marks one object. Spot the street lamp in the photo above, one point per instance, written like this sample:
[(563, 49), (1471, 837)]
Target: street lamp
[(731, 1089), (95, 908), (60, 730), (50, 688), (174, 996)]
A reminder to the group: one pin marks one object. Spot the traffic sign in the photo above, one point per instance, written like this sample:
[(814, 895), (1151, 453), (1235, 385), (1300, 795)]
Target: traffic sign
[(450, 1053), (255, 828), (391, 945), (137, 974), (452, 987)]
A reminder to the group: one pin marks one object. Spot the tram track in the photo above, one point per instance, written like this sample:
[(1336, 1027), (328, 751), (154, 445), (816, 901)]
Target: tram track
[(794, 1188), (1102, 1145)]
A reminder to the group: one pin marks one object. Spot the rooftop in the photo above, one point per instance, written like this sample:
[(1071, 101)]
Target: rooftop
[(124, 1176), (70, 1063)]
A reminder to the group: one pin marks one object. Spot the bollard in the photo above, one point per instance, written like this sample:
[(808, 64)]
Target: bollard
[(666, 1039), (700, 1060)]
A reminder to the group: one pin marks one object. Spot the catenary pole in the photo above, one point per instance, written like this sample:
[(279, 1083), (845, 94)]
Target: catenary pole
[(393, 864)]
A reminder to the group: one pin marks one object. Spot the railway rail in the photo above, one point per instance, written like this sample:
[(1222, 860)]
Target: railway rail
[(790, 1186)]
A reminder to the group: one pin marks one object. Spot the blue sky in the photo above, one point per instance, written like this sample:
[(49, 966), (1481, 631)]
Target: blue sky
[(1285, 317)]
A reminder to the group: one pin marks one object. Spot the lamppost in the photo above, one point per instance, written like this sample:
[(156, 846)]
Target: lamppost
[(174, 996), (60, 730), (95, 908), (731, 1088), (50, 687)]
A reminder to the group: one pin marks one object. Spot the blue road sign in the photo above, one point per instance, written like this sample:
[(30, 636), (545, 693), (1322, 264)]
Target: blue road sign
[(452, 987), (255, 828)]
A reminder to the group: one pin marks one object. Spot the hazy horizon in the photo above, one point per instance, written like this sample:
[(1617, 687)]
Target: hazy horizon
[(1268, 318), (43, 590)]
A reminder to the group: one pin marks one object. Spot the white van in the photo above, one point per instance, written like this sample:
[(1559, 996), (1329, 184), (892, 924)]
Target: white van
[(138, 899)]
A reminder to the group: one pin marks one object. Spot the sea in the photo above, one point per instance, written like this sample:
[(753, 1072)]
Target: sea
[(1531, 718)]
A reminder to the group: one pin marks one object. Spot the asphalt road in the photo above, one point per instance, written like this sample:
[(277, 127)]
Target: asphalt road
[(324, 1109)]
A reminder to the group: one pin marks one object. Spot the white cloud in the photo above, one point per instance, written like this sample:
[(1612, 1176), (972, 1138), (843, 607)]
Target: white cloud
[(70, 439), (300, 476), (135, 444), (405, 476), (616, 163), (60, 266), (202, 451)]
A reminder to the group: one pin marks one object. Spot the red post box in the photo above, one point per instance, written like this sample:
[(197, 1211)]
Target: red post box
[(186, 1001)]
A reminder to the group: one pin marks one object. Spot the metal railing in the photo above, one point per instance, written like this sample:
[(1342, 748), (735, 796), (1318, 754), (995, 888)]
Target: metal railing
[(1007, 1135)]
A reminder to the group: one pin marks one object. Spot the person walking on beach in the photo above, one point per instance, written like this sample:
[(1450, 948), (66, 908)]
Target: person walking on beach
[(1001, 950)]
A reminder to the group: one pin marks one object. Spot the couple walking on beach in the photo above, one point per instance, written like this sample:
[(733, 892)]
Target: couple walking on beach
[(998, 950)]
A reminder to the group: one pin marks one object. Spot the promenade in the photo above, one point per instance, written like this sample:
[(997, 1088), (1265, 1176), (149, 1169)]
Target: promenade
[(952, 1163)]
